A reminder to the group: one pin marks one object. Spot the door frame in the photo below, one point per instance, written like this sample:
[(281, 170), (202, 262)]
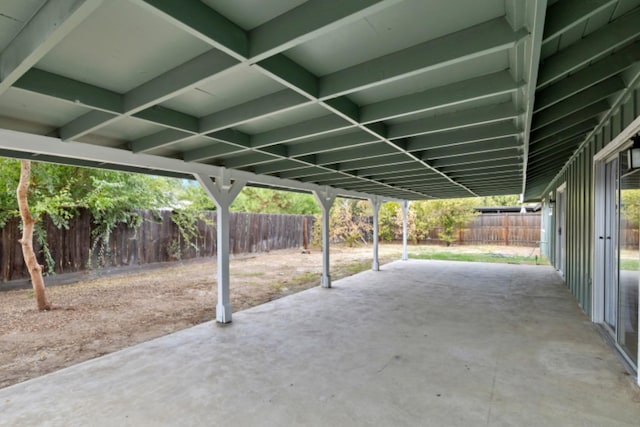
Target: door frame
[(620, 143), (561, 229)]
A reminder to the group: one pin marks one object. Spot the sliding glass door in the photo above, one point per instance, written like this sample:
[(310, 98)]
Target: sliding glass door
[(629, 258), (621, 253)]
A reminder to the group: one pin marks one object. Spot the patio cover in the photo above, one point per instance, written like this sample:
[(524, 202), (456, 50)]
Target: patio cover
[(408, 99)]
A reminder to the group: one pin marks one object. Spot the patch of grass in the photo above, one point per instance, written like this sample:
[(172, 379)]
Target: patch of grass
[(629, 264), (302, 279), (357, 267), (480, 257)]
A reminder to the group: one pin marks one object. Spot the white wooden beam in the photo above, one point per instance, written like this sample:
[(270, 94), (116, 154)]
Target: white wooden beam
[(94, 154)]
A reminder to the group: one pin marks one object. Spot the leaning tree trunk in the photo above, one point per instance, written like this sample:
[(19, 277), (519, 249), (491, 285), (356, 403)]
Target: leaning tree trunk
[(35, 269)]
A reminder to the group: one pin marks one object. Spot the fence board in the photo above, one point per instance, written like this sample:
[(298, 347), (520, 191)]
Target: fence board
[(156, 240)]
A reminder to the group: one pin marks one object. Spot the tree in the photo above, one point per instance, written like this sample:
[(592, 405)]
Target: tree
[(264, 200), (449, 215), (509, 200), (28, 222)]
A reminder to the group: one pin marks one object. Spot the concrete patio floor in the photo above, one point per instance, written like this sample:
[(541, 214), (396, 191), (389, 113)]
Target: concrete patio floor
[(419, 343)]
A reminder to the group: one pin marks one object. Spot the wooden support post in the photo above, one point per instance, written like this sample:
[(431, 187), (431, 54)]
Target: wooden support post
[(325, 198), (223, 193), (375, 206), (405, 220)]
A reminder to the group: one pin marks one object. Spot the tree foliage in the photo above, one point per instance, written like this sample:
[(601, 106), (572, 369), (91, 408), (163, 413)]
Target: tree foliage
[(630, 206), (61, 191), (264, 200)]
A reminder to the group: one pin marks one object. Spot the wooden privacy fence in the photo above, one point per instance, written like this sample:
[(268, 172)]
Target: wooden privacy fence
[(498, 229), (156, 240)]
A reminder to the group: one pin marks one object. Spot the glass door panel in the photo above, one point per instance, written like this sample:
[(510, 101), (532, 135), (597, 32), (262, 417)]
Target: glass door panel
[(610, 249), (629, 259)]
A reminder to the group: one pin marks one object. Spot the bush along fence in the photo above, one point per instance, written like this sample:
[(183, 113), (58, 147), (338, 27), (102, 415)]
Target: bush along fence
[(157, 239), (487, 229)]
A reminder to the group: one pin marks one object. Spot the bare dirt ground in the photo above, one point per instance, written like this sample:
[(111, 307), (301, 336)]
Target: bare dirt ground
[(100, 316)]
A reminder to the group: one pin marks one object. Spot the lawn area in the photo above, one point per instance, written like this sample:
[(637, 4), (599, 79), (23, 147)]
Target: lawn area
[(483, 253)]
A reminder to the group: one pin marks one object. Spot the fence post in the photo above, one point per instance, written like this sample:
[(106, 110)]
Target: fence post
[(506, 229)]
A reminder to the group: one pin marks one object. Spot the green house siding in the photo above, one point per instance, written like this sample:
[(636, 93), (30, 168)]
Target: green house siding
[(580, 208)]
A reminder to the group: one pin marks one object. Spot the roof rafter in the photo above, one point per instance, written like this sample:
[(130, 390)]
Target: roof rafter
[(51, 24), (489, 37), (608, 38), (455, 120), (500, 83)]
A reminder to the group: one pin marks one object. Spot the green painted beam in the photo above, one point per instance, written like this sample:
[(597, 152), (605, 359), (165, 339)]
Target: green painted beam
[(304, 172), (279, 166), (70, 90), (318, 126), (493, 172), (168, 118), (548, 165), (553, 145), (199, 20), (462, 136), (395, 159), (216, 149), (276, 150), (567, 14), (584, 115), (507, 143), (231, 136), (613, 35), (590, 96), (489, 37), (85, 124), (326, 177), (544, 173), (476, 158), (486, 165), (308, 21), (516, 176), (247, 160), (254, 109), (544, 158), (291, 75), (400, 174), (456, 120), (165, 86), (416, 182), (487, 86), (345, 108), (159, 139), (51, 23), (392, 169), (595, 73), (371, 150), (331, 143), (178, 80), (579, 130)]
